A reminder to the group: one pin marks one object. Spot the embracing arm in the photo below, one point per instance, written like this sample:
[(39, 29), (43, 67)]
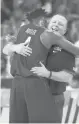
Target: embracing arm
[(16, 46), (61, 76), (68, 46), (21, 48), (9, 48), (49, 38), (65, 77)]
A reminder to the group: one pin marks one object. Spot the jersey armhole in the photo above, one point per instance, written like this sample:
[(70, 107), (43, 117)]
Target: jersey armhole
[(41, 40)]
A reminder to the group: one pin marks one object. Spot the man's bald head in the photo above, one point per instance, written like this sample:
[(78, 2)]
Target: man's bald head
[(58, 23)]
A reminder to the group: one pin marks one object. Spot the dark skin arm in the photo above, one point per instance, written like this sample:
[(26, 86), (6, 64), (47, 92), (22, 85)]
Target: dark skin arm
[(48, 39)]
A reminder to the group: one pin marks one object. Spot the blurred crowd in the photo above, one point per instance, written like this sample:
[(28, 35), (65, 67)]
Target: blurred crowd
[(15, 13)]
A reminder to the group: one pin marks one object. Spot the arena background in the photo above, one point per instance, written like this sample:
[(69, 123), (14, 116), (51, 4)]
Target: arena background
[(13, 14)]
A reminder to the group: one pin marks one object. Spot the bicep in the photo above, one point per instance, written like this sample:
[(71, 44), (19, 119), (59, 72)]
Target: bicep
[(46, 39), (68, 46)]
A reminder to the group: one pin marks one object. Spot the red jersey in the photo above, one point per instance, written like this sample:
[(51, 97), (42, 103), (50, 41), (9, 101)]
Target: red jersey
[(21, 65)]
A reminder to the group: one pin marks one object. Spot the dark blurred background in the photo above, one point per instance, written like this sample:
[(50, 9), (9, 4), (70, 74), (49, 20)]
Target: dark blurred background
[(15, 13)]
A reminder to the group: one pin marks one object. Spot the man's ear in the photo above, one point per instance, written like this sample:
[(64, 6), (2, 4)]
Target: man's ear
[(65, 30)]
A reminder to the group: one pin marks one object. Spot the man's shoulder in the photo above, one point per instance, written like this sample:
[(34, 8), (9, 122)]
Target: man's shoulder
[(24, 25)]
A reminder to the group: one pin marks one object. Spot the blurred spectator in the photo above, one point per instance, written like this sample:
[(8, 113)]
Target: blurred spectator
[(8, 4), (6, 30), (63, 10), (75, 36), (71, 33), (6, 9), (47, 7), (73, 5), (74, 30), (17, 3), (16, 19), (55, 5), (30, 5), (3, 64)]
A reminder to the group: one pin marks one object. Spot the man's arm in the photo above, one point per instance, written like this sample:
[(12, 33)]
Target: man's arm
[(21, 48), (16, 46), (68, 46), (61, 76), (49, 38), (65, 77), (8, 49)]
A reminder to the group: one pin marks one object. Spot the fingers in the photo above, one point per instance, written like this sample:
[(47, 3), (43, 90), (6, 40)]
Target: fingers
[(34, 69), (28, 51), (27, 40), (41, 64), (25, 54), (36, 72), (26, 47)]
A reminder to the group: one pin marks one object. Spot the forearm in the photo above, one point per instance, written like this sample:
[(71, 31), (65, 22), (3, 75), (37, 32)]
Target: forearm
[(66, 77), (61, 76), (9, 49), (68, 46)]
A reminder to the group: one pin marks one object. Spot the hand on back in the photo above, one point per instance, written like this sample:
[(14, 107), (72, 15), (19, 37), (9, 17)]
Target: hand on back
[(23, 48)]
